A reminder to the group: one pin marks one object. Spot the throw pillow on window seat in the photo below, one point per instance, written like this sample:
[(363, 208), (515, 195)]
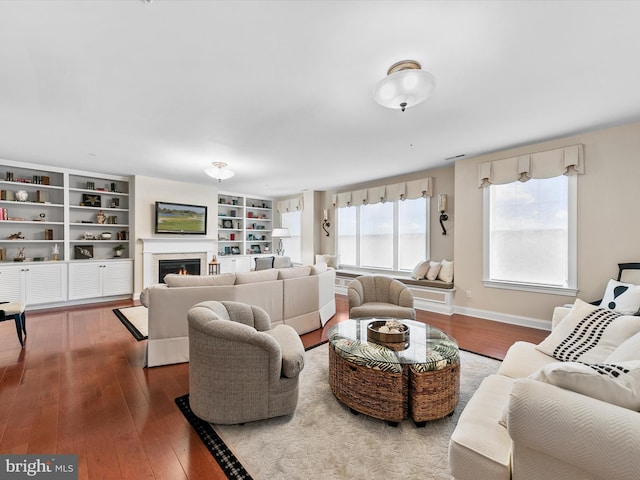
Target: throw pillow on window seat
[(420, 270), (446, 271), (434, 269)]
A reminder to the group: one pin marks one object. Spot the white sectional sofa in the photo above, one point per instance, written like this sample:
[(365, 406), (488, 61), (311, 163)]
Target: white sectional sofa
[(302, 297), (550, 417)]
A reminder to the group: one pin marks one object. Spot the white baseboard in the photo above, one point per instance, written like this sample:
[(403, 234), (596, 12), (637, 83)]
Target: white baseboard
[(505, 318)]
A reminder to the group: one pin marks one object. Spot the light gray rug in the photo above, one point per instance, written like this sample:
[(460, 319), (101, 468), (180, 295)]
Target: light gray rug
[(136, 320), (324, 440)]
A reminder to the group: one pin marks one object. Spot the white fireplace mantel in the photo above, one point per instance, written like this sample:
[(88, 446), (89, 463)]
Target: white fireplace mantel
[(152, 248)]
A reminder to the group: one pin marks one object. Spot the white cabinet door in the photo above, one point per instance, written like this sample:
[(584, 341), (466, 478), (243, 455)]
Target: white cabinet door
[(100, 279), (45, 283), (34, 284), (234, 264), (117, 278), (11, 289), (85, 280)]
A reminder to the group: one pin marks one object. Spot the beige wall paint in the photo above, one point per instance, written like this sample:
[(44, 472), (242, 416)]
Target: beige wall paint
[(149, 190), (442, 246), (608, 227)]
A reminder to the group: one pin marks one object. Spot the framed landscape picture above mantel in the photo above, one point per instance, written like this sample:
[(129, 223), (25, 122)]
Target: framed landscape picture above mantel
[(181, 218)]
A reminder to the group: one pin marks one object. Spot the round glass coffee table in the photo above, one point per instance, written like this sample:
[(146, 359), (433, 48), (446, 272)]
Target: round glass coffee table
[(418, 377)]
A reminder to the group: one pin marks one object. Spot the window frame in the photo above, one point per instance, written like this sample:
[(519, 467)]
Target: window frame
[(394, 270), (572, 248)]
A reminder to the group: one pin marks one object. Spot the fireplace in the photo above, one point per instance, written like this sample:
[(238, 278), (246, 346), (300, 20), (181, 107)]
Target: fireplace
[(156, 249), (182, 266)]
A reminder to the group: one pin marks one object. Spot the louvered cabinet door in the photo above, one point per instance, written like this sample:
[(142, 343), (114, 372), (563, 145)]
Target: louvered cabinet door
[(11, 289), (85, 280), (45, 283)]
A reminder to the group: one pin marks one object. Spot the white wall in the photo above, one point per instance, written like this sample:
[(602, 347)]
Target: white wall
[(148, 190)]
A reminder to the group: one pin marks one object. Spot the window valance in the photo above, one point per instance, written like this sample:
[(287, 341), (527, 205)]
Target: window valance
[(291, 205), (384, 193), (552, 163)]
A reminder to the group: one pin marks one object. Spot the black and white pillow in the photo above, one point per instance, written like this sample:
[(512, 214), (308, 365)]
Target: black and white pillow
[(622, 297), (589, 334)]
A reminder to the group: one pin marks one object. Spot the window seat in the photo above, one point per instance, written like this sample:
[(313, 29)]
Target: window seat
[(430, 295)]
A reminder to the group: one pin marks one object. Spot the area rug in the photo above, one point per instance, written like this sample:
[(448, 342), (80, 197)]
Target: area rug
[(324, 440), (135, 319)]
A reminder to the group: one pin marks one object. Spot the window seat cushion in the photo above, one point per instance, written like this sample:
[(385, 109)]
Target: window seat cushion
[(406, 280)]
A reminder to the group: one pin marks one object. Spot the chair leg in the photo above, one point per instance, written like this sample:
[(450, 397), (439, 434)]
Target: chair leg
[(24, 323), (20, 326)]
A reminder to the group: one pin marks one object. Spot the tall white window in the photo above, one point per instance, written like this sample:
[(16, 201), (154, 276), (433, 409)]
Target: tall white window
[(376, 236), (530, 234), (293, 245), (390, 236), (347, 229)]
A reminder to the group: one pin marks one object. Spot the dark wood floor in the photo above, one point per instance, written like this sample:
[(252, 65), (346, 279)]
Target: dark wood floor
[(78, 387)]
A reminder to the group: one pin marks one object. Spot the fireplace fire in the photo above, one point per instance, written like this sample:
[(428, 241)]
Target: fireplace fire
[(184, 266)]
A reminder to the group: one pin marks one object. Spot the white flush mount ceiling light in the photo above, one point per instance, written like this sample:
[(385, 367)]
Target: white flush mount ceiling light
[(220, 171), (405, 85)]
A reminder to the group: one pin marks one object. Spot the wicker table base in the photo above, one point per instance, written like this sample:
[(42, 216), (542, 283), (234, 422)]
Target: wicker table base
[(434, 394), (375, 393), (391, 396)]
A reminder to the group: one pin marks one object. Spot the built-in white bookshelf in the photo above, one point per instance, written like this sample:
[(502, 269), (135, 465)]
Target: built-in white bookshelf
[(51, 218), (244, 225)]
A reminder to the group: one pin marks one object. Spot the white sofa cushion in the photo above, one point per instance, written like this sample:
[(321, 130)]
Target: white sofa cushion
[(522, 359), (621, 297), (319, 268), (589, 334), (256, 276), (294, 272), (628, 351), (175, 280), (618, 384)]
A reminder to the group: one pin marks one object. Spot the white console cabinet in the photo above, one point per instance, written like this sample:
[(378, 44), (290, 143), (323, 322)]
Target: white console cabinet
[(34, 284), (100, 279)]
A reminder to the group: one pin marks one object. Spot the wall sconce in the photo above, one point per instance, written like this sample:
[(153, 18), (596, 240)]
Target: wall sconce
[(325, 221), (442, 208)]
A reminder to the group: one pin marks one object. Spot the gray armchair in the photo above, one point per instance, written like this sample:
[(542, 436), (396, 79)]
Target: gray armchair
[(241, 370), (380, 296)]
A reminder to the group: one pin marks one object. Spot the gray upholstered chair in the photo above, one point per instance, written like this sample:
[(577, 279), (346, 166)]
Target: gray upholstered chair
[(240, 369), (380, 296)]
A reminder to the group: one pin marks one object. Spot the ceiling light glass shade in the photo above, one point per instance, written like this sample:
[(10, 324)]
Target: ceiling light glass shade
[(219, 171), (405, 85)]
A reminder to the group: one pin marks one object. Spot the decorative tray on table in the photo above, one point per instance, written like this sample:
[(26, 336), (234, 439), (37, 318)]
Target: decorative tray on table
[(390, 333)]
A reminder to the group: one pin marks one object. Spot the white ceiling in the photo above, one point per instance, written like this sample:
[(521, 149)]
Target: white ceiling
[(281, 90)]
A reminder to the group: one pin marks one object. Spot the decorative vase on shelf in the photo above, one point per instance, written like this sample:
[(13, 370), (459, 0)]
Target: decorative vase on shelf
[(22, 196), (101, 217)]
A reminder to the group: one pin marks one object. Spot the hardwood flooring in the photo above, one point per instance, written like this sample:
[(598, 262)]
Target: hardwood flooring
[(79, 387)]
